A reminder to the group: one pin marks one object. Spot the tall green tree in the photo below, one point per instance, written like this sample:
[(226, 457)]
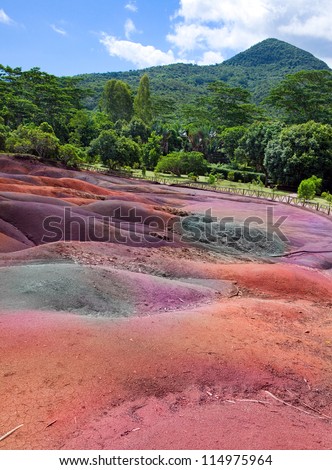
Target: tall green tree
[(137, 130), (230, 138), (173, 136), (117, 101), (34, 96), (253, 144), (142, 101), (82, 128), (304, 96), (299, 151), (4, 130), (151, 151), (115, 150), (231, 106)]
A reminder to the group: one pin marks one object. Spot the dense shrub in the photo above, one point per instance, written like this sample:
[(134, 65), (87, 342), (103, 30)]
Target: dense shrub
[(239, 175), (40, 141), (115, 150), (182, 163), (306, 189)]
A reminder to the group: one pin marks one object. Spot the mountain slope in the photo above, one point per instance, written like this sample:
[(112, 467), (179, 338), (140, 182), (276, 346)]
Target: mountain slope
[(258, 69), (272, 51)]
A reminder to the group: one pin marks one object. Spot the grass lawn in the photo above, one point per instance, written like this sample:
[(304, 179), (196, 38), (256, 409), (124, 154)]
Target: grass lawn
[(222, 183)]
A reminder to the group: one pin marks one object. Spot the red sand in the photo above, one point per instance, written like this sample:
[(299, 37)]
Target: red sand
[(95, 378), (199, 377)]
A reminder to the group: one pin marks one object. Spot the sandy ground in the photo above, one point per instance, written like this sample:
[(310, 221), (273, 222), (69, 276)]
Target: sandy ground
[(161, 342)]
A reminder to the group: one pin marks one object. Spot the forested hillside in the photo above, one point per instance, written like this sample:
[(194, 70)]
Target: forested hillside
[(258, 69), (263, 116)]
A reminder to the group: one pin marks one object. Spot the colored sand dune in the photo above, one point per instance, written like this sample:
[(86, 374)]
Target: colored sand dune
[(138, 316)]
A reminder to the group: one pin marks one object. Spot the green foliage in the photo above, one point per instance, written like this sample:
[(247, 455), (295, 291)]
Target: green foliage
[(194, 162), (71, 155), (318, 184), (137, 130), (32, 139), (114, 150), (198, 111), (200, 139), (179, 163), (306, 189), (170, 163), (116, 101), (142, 101), (128, 152), (173, 136), (244, 176), (258, 182), (83, 127), (192, 177), (4, 130), (231, 138), (273, 51), (46, 127), (258, 70), (101, 121), (300, 151), (327, 196), (231, 176), (254, 142), (151, 151), (230, 106), (212, 179), (304, 96), (34, 96)]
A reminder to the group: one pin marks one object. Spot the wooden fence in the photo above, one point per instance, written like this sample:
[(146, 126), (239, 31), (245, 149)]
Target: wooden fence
[(255, 193)]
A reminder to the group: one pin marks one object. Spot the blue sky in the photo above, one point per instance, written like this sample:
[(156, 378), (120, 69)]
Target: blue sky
[(71, 37)]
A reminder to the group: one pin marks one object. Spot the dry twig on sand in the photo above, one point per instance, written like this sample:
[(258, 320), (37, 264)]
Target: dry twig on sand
[(321, 415), (10, 432)]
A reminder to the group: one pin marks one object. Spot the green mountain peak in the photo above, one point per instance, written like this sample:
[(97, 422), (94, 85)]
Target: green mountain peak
[(275, 52)]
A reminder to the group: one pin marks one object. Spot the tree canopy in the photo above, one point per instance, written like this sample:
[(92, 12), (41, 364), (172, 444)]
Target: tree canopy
[(34, 96), (300, 151), (182, 118), (117, 101), (115, 150), (142, 101), (304, 96)]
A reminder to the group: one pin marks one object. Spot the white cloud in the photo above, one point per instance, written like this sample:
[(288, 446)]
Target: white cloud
[(131, 6), (130, 28), (149, 56), (223, 11), (210, 58), (328, 61), (221, 26), (190, 37), (208, 31), (140, 55), (4, 18), (316, 26), (58, 30)]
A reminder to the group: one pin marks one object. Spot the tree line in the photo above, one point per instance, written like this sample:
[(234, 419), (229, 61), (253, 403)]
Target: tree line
[(285, 139)]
